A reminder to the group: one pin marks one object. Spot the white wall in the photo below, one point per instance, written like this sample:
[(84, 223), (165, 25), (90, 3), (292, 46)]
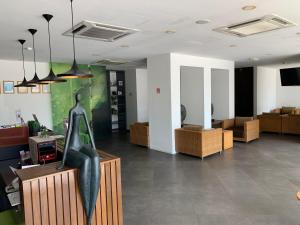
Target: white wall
[(142, 95), (131, 97), (269, 94), (164, 108), (28, 103), (136, 95), (287, 95), (265, 89), (220, 84), (192, 95)]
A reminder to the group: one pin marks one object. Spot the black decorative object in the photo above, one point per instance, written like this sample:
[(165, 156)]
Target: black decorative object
[(51, 78), (83, 157), (24, 83), (35, 79), (74, 72), (183, 112)]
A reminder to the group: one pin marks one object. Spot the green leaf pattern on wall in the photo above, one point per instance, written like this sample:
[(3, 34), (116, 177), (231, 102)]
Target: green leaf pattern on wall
[(93, 94)]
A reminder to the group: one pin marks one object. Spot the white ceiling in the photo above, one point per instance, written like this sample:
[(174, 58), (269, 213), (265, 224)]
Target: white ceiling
[(152, 18)]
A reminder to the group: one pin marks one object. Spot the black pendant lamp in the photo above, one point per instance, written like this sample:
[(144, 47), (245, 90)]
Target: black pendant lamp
[(74, 72), (35, 79), (24, 82), (51, 78)]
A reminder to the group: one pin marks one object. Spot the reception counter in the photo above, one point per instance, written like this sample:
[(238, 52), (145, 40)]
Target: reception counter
[(51, 196)]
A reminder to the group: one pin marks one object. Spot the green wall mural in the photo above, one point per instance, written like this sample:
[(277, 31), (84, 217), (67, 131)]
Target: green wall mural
[(93, 94)]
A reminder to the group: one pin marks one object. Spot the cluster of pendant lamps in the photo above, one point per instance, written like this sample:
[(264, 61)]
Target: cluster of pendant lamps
[(74, 72)]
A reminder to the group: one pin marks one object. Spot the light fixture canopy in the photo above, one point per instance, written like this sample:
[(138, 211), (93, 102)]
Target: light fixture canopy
[(74, 72), (202, 21), (24, 83), (35, 79), (249, 7), (51, 78)]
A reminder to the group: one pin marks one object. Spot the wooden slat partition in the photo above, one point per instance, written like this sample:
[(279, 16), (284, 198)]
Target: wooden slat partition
[(52, 197)]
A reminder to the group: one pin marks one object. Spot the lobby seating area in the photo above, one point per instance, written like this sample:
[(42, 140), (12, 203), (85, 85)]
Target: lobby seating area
[(150, 112)]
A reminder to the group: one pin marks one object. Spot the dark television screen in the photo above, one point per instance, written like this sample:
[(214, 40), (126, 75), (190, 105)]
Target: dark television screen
[(290, 76)]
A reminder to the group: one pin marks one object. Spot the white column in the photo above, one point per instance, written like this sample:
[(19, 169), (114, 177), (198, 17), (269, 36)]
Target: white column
[(207, 98), (160, 104)]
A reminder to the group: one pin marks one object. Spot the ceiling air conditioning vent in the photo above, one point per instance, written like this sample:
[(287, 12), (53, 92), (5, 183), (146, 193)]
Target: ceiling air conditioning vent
[(256, 26), (109, 62), (98, 31)]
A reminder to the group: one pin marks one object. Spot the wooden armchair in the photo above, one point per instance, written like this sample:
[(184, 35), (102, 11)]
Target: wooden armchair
[(200, 143), (245, 129), (139, 134)]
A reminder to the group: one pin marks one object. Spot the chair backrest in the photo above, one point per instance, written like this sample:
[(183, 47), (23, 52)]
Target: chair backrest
[(193, 127), (239, 121)]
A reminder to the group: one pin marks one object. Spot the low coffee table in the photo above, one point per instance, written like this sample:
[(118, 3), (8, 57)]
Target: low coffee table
[(227, 139)]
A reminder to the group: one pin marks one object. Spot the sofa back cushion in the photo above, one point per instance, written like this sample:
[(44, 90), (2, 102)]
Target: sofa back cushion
[(297, 111), (239, 121), (278, 110), (287, 110)]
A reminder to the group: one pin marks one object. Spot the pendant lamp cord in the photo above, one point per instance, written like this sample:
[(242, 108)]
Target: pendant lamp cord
[(23, 58), (50, 45), (73, 35), (33, 45)]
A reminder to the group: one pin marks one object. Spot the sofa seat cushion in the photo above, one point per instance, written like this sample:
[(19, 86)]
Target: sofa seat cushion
[(238, 132)]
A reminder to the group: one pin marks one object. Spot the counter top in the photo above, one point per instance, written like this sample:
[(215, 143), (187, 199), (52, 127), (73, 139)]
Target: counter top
[(51, 168)]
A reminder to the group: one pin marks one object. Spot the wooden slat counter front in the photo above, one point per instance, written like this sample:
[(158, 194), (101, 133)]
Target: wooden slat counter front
[(51, 196)]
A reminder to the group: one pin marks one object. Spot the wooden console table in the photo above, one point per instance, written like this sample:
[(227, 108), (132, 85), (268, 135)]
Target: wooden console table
[(51, 196), (13, 136)]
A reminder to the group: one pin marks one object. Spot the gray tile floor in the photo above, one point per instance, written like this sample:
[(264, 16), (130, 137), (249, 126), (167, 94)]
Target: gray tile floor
[(254, 184)]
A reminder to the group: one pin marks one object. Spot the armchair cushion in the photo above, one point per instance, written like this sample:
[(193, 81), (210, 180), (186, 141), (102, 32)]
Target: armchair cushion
[(238, 132)]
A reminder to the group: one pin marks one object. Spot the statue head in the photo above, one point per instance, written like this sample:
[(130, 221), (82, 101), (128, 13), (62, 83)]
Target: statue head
[(77, 97)]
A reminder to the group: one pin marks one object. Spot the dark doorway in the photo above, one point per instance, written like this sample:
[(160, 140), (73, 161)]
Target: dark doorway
[(244, 91)]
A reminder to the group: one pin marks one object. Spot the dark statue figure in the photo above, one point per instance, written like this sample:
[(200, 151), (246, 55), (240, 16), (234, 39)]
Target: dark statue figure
[(84, 157)]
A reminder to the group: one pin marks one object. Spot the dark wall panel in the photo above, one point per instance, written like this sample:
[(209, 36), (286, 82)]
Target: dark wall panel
[(244, 91)]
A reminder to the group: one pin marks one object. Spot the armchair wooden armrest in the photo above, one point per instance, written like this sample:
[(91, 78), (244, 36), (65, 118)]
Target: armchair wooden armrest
[(228, 124), (251, 130)]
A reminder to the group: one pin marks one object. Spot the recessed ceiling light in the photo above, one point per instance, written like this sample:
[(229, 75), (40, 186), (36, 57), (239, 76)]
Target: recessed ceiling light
[(170, 31), (204, 21), (232, 46), (124, 46), (248, 7), (28, 48)]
